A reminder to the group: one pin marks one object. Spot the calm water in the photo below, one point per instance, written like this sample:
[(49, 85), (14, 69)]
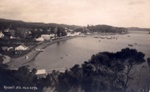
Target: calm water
[(67, 53)]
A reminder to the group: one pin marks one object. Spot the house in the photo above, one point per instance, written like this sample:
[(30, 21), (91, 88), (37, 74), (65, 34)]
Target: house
[(46, 36), (40, 39), (1, 35), (21, 47), (11, 37), (73, 33), (6, 59), (10, 48), (41, 73), (52, 36)]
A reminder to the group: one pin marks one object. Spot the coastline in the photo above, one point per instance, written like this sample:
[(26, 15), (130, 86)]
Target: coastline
[(15, 63)]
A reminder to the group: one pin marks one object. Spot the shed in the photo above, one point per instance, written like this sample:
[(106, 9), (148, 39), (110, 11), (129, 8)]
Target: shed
[(41, 73), (21, 47), (40, 39), (1, 35)]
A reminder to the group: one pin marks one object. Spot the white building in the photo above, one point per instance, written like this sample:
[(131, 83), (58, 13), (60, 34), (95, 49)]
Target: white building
[(73, 34), (40, 39), (41, 73), (48, 37), (52, 35), (21, 47), (6, 59), (1, 35), (45, 36)]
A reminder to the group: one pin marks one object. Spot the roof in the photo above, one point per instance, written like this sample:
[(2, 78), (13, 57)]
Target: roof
[(1, 35), (40, 39), (21, 47), (41, 71)]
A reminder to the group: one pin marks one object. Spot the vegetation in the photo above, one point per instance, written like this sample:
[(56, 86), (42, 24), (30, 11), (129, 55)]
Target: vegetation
[(107, 29), (102, 29), (17, 33), (138, 29), (104, 72), (5, 23)]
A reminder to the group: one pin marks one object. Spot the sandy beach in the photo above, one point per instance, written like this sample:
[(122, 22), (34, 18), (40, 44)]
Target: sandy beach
[(15, 63)]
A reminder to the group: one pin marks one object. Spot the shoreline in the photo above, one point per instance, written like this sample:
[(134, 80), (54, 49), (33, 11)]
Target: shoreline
[(15, 63), (49, 43)]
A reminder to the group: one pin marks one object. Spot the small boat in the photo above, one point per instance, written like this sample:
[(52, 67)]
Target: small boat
[(135, 43), (130, 45), (95, 37), (82, 35), (102, 37), (109, 37), (39, 49), (61, 57)]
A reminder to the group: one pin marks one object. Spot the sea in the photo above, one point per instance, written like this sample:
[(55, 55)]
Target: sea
[(65, 54)]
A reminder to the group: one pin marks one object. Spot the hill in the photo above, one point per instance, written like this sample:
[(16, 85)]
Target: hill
[(6, 23), (138, 29)]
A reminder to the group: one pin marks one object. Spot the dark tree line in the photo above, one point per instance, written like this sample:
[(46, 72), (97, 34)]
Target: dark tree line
[(104, 72), (107, 29)]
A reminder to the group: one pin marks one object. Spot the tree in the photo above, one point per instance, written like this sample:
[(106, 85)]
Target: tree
[(104, 72), (1, 59), (130, 58)]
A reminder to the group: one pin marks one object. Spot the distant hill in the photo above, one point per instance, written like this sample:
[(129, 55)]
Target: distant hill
[(138, 29), (13, 24), (107, 29), (7, 23)]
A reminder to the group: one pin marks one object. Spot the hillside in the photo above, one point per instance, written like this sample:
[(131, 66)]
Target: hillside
[(6, 23), (138, 29)]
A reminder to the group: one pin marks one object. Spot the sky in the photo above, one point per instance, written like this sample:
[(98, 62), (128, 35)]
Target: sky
[(123, 13)]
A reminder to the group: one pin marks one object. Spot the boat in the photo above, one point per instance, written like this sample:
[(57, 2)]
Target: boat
[(102, 37), (39, 49), (108, 37), (130, 45), (95, 37)]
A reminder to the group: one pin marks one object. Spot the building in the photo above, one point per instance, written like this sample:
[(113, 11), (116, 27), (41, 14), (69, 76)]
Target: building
[(1, 35), (6, 59), (40, 39), (45, 36), (21, 47), (73, 33), (41, 73)]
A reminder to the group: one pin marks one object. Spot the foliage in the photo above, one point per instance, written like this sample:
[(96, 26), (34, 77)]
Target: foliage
[(107, 29), (104, 72)]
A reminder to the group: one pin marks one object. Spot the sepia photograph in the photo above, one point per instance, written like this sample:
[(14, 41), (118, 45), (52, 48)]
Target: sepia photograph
[(74, 46)]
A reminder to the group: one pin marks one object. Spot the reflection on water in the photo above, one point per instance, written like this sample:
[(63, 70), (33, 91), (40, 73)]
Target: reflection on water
[(65, 54)]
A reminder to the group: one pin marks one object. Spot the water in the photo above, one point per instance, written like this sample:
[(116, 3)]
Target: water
[(67, 53)]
